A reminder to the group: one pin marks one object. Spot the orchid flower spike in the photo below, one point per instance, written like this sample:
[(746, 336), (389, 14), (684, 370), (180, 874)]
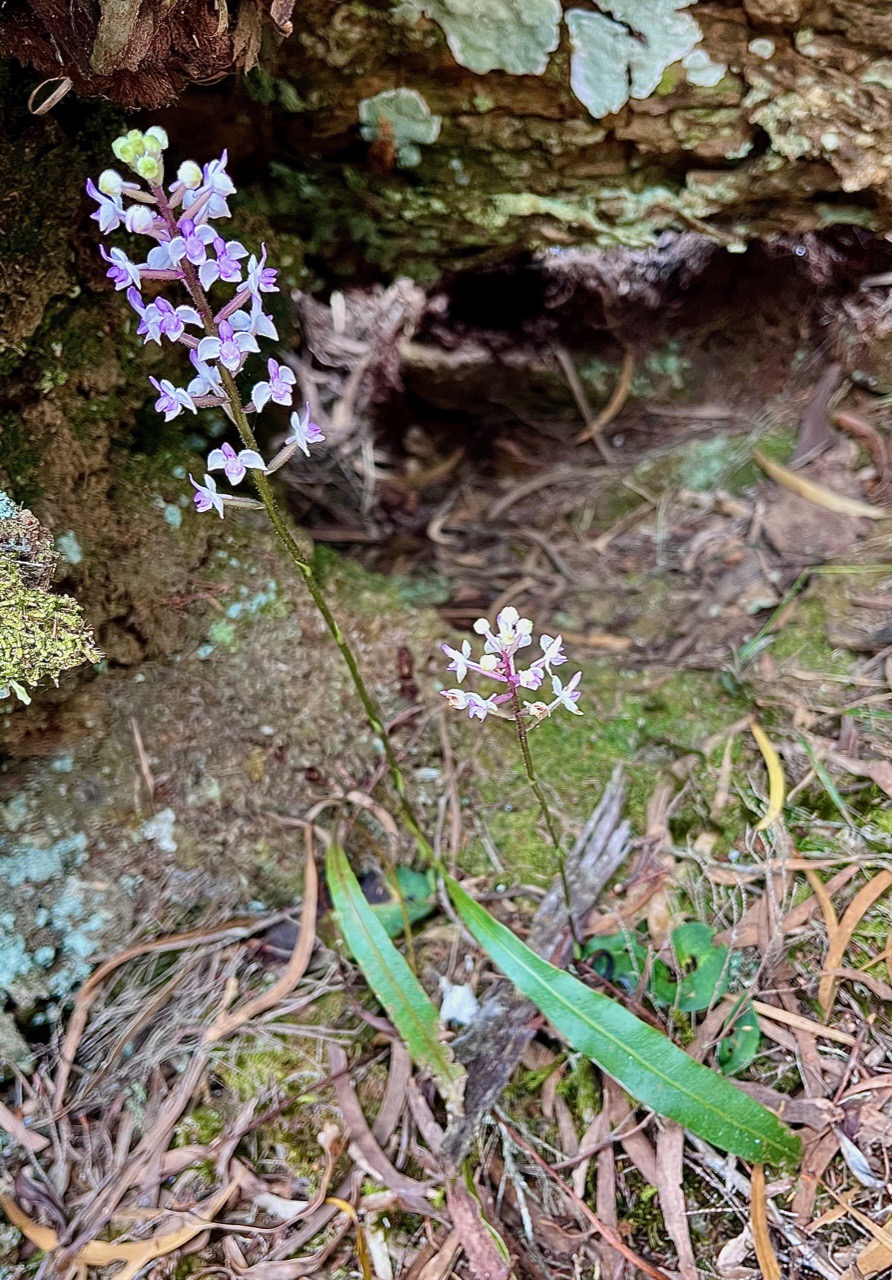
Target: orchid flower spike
[(498, 662)]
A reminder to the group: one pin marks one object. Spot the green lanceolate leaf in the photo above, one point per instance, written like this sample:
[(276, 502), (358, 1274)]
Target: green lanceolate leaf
[(647, 1064), (413, 1014)]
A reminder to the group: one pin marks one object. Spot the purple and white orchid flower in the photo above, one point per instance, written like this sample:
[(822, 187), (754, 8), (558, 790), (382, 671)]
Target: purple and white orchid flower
[(498, 662), (206, 497), (159, 318), (191, 243), (171, 400), (234, 465), (228, 347), (225, 266), (122, 271), (110, 213), (277, 387)]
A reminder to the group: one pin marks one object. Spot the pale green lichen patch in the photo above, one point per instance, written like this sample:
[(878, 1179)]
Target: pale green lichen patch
[(41, 634), (625, 55), (502, 35), (408, 119)]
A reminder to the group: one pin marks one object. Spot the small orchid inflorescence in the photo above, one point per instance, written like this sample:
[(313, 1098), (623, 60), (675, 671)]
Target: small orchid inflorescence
[(189, 249), (500, 650)]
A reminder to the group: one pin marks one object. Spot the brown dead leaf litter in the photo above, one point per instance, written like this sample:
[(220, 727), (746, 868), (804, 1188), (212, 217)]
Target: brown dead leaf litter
[(224, 1097)]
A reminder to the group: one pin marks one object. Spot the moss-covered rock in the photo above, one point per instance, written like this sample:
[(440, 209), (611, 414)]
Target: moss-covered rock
[(42, 633)]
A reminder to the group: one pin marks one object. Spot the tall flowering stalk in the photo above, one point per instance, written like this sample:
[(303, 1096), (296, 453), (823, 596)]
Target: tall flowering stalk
[(499, 663), (188, 251)]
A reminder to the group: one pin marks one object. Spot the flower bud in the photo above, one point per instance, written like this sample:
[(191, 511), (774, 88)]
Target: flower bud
[(158, 136), (149, 167), (489, 662), (139, 218), (189, 173), (110, 182), (125, 150)]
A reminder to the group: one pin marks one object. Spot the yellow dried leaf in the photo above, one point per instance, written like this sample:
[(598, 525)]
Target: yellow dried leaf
[(765, 1255), (817, 493), (777, 788), (135, 1254)]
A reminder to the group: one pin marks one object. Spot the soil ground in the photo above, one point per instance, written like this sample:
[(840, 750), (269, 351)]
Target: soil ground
[(697, 593)]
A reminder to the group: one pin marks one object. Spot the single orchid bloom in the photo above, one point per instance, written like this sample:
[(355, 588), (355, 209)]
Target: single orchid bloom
[(304, 432), (477, 708), (228, 347), (277, 387), (255, 322), (225, 266), (567, 695), (191, 243), (460, 659), (552, 652), (139, 220), (234, 465), (160, 318), (207, 379), (217, 181), (260, 278), (171, 400), (110, 213), (122, 271), (206, 496)]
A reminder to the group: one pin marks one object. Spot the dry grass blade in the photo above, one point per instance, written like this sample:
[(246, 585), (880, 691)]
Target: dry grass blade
[(484, 1248), (440, 1266), (800, 1023), (362, 1253), (842, 935), (765, 1254), (364, 1148), (816, 493), (776, 785), (90, 990), (607, 1233)]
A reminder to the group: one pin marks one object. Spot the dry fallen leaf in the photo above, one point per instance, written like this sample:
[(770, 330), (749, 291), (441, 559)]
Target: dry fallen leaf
[(816, 493), (765, 1254), (841, 935)]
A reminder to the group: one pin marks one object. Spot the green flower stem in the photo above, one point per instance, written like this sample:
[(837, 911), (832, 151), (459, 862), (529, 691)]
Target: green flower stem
[(296, 555), (523, 739)]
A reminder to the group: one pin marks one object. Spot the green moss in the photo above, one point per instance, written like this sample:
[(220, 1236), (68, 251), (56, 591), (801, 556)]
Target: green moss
[(41, 634), (647, 730), (21, 458)]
